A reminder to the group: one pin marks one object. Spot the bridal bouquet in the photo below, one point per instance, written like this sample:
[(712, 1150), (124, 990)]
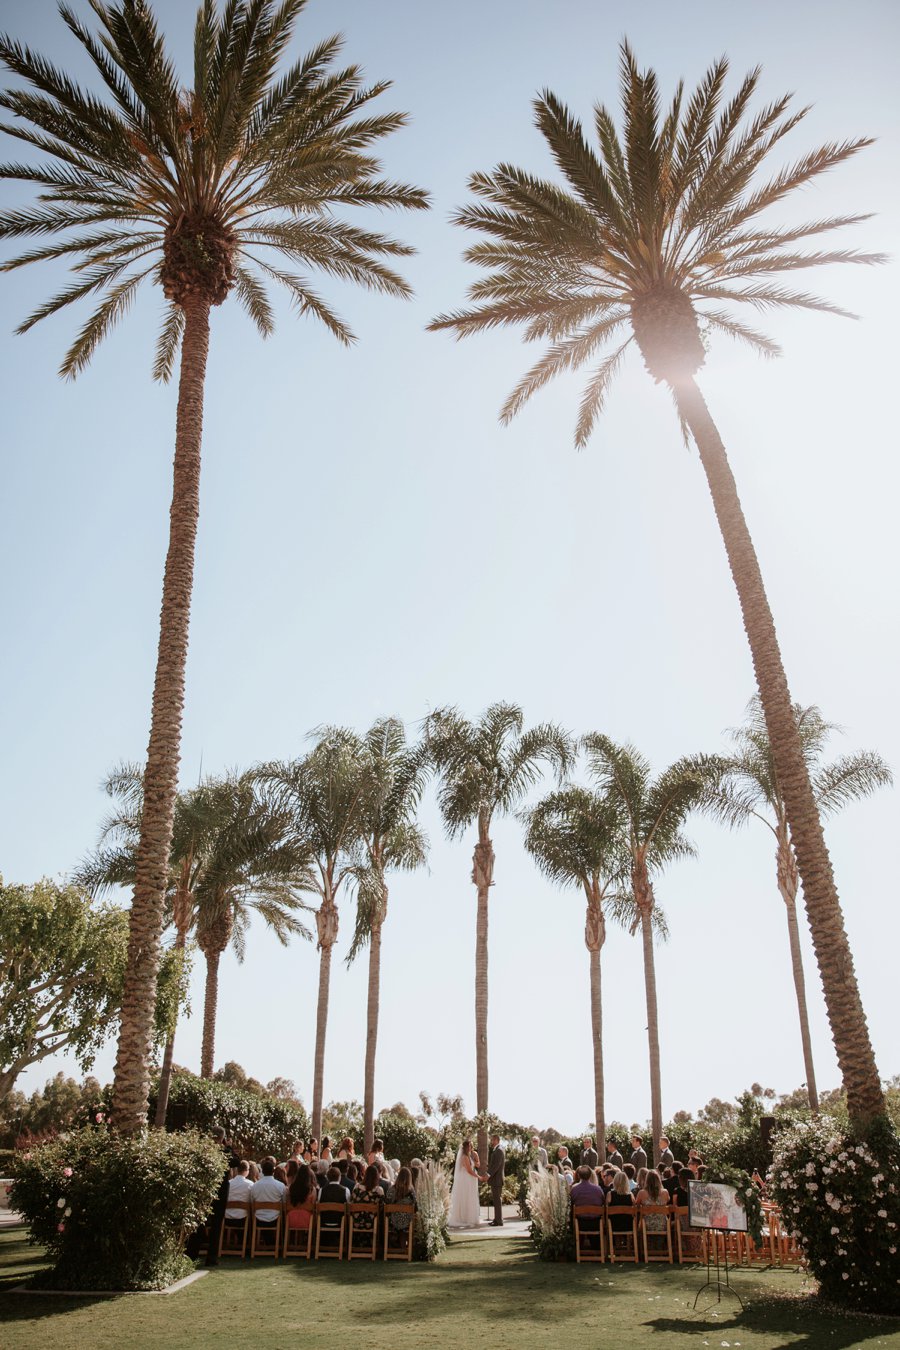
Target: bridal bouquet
[(433, 1208)]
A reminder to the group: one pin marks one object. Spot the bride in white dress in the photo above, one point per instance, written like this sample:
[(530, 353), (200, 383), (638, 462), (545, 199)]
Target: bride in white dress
[(465, 1209)]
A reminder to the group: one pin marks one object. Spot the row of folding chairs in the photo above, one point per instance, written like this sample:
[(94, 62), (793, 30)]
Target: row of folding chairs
[(636, 1235), (623, 1235), (355, 1232)]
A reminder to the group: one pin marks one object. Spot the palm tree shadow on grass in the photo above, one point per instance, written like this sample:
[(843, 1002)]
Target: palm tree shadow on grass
[(792, 1319)]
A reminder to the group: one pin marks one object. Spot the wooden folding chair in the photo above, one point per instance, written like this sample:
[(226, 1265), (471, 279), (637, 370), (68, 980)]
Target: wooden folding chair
[(661, 1239), (297, 1241), (690, 1243), (265, 1237), (398, 1242), (333, 1234), (233, 1233), (362, 1235), (589, 1243), (622, 1242)]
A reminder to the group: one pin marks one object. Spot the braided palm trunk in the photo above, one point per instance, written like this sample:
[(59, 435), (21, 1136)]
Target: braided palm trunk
[(327, 925), (210, 1009), (856, 1058), (594, 937), (131, 1083), (483, 877), (788, 885), (372, 1011)]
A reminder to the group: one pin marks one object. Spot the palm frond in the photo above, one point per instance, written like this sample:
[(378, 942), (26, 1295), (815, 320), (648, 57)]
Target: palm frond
[(168, 343)]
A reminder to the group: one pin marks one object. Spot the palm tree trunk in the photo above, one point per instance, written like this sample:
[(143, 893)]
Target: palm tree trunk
[(652, 1033), (321, 1028), (165, 1073), (210, 1006), (372, 1034), (131, 1083), (865, 1100), (787, 885), (483, 877), (597, 1038)]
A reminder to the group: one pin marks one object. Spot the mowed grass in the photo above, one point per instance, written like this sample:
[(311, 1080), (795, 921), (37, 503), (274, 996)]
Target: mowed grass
[(482, 1292)]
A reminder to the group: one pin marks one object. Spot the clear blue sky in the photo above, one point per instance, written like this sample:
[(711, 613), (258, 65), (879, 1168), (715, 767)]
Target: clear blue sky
[(372, 542)]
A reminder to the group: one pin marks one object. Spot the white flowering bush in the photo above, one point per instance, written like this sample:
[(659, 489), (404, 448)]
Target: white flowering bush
[(840, 1199), (432, 1211), (548, 1204)]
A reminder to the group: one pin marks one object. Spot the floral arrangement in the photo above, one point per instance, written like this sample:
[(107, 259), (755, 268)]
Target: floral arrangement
[(432, 1210), (548, 1203), (841, 1201), (111, 1211), (746, 1194)]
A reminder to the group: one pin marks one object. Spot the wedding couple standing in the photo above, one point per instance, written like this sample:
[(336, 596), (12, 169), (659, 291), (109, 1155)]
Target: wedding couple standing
[(465, 1207)]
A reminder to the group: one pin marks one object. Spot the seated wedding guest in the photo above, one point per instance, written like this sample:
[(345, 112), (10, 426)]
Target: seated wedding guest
[(325, 1150), (588, 1153), (290, 1170), (239, 1188), (613, 1156), (302, 1196), (281, 1174), (568, 1176), (368, 1193), (344, 1169), (606, 1177), (701, 1172), (694, 1165), (629, 1170), (415, 1167), (254, 1174), (394, 1164), (402, 1193), (332, 1193), (670, 1179), (685, 1177), (653, 1193), (267, 1188), (346, 1148), (555, 1172), (641, 1177), (620, 1197), (585, 1191), (377, 1156)]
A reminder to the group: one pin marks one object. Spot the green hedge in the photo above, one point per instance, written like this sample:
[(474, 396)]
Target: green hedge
[(405, 1139), (256, 1125), (112, 1211)]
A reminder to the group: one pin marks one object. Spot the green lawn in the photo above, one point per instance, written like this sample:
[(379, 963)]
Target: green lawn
[(483, 1292)]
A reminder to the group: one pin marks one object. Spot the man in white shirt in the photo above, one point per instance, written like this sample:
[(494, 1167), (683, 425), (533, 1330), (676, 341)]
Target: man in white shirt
[(239, 1188), (267, 1188)]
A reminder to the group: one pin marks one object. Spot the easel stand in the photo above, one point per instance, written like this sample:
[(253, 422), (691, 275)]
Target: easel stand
[(720, 1284)]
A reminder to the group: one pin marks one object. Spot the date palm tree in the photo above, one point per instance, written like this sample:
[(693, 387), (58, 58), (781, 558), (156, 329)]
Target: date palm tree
[(654, 812), (578, 837), (751, 789), (228, 860), (653, 237), (321, 797), (391, 840), (485, 768), (205, 188)]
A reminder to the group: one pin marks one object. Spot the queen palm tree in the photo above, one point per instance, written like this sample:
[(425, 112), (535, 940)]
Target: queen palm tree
[(485, 768), (321, 797), (751, 789), (654, 812), (391, 840), (577, 837), (205, 188), (228, 860), (652, 237)]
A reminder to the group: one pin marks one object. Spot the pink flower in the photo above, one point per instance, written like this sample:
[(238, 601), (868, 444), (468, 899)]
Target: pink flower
[(99, 1117), (67, 1171), (60, 1228)]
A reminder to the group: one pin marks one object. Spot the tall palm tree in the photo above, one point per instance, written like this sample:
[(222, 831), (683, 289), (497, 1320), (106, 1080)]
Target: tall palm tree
[(321, 797), (485, 769), (654, 812), (206, 188), (228, 859), (576, 837), (391, 840), (652, 237), (751, 789)]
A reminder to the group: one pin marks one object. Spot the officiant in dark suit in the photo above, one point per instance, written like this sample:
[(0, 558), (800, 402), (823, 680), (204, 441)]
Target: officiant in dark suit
[(495, 1174)]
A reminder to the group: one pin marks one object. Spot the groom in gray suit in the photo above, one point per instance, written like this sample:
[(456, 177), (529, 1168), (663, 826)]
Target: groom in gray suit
[(495, 1174)]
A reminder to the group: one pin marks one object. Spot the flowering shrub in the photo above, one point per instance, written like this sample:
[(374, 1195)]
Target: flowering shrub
[(255, 1124), (432, 1211), (841, 1201), (110, 1210), (548, 1202)]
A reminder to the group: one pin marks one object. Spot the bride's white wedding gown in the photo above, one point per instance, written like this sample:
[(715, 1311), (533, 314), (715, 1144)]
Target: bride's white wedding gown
[(465, 1210)]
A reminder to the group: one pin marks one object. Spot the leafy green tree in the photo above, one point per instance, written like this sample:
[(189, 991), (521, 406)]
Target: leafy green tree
[(577, 837), (392, 841), (62, 966), (320, 797), (206, 188), (751, 789), (485, 769), (651, 239), (653, 812)]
